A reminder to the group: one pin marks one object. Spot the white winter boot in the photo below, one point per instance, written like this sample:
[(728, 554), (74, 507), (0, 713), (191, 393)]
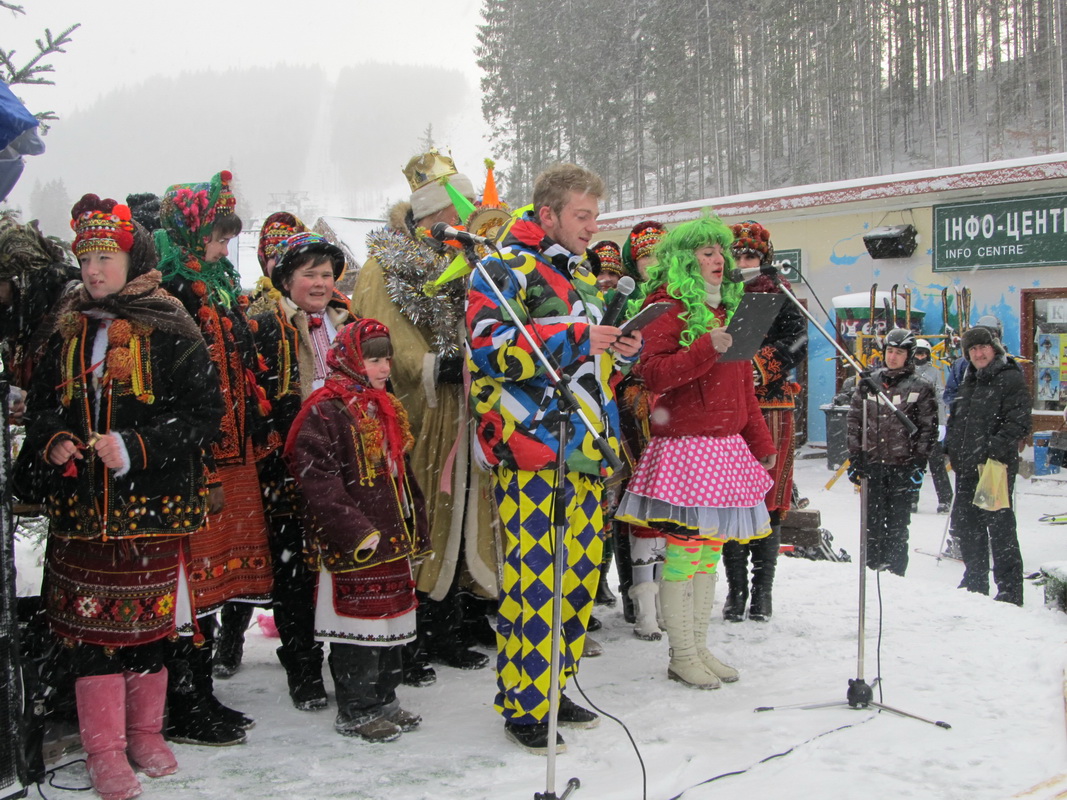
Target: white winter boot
[(676, 600), (645, 596), (703, 600)]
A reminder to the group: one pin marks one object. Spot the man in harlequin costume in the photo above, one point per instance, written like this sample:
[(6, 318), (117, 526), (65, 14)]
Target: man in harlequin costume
[(427, 332), (542, 274), (783, 348), (231, 557)]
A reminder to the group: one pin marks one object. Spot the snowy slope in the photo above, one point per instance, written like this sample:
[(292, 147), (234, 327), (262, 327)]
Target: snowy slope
[(994, 672)]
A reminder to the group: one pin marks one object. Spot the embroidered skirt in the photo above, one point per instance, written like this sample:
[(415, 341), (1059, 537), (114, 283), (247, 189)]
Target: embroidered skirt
[(230, 555), (373, 606), (118, 593), (707, 485)]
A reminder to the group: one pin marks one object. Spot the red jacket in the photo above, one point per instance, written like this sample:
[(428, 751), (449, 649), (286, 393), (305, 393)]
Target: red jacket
[(695, 394)]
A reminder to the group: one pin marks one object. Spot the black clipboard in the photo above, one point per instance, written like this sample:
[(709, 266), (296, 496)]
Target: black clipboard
[(643, 317), (750, 324)]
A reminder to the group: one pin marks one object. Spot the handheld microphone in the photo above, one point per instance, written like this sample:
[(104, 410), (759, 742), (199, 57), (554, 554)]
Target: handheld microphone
[(623, 290), (444, 232)]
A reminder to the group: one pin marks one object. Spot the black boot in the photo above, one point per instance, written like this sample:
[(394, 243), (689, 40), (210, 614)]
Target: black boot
[(439, 622), (625, 568), (192, 717), (202, 674), (230, 640), (735, 565), (304, 673), (764, 560), (604, 595), (365, 681)]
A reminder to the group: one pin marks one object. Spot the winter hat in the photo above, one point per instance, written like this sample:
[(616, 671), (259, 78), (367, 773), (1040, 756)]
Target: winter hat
[(643, 238), (189, 211), (145, 209), (104, 225), (278, 227), (979, 336), (751, 238), (427, 175), (100, 225), (291, 250), (610, 257)]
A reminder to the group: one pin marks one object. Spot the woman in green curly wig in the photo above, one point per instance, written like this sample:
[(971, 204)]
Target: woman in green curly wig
[(677, 266), (703, 477)]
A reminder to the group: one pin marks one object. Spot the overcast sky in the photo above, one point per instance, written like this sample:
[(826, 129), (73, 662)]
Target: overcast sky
[(121, 42)]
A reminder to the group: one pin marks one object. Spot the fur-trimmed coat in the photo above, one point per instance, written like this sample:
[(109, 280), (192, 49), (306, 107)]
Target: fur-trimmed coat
[(427, 379), (284, 342)]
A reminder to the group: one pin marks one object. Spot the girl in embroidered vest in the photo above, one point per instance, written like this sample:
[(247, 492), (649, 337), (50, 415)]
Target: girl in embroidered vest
[(294, 338), (231, 559), (120, 409), (703, 476), (365, 520)]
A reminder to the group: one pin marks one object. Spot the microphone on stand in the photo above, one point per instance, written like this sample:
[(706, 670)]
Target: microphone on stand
[(617, 306), (752, 273), (443, 232)]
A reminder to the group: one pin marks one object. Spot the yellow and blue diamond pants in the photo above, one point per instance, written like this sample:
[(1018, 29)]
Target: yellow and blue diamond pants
[(524, 616)]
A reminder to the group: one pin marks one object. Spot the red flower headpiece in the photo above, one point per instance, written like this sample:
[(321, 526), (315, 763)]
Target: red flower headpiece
[(751, 237), (101, 225)]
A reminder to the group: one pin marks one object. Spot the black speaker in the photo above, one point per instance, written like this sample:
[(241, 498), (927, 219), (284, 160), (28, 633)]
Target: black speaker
[(891, 241)]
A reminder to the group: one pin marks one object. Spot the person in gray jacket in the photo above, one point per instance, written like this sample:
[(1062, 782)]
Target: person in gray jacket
[(927, 370)]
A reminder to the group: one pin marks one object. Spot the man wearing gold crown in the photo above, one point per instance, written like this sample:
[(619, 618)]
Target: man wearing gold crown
[(427, 377)]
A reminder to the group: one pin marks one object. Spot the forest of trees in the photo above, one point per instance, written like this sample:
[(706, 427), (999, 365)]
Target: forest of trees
[(676, 100)]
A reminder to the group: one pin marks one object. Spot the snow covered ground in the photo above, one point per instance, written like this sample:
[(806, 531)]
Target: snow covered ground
[(994, 672)]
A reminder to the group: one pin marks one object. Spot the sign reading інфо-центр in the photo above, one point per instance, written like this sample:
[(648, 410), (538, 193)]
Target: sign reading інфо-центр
[(999, 234)]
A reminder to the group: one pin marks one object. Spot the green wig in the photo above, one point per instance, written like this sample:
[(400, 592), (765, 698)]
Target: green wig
[(677, 267)]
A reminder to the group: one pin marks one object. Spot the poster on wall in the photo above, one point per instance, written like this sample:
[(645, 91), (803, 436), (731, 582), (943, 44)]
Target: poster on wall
[(1048, 352)]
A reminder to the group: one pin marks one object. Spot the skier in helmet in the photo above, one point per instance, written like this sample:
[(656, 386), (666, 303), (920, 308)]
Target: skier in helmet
[(891, 459), (926, 368)]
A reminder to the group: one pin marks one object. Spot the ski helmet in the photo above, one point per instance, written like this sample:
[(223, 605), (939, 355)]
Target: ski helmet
[(902, 338), (922, 344), (992, 323)]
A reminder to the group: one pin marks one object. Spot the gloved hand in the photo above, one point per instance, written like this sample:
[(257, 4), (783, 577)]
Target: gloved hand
[(449, 370), (918, 471), (856, 468)]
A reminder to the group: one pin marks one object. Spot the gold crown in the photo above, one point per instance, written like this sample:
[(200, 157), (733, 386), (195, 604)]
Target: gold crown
[(428, 167)]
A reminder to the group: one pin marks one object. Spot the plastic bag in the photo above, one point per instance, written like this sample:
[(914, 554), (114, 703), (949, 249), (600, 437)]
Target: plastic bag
[(991, 494)]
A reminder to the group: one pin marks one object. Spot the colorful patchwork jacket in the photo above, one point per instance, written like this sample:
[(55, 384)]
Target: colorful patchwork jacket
[(512, 399)]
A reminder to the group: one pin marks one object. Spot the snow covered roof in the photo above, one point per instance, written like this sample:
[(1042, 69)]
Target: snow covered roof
[(903, 186), (351, 234)]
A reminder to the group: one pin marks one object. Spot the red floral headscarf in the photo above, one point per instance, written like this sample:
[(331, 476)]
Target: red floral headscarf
[(348, 383)]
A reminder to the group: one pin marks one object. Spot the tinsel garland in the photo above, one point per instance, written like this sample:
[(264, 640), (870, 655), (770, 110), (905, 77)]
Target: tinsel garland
[(408, 266)]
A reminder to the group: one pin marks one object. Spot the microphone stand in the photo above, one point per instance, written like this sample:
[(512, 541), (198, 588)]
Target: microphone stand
[(569, 404), (860, 694)]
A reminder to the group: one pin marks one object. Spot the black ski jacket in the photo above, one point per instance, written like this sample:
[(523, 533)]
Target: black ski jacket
[(990, 417)]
